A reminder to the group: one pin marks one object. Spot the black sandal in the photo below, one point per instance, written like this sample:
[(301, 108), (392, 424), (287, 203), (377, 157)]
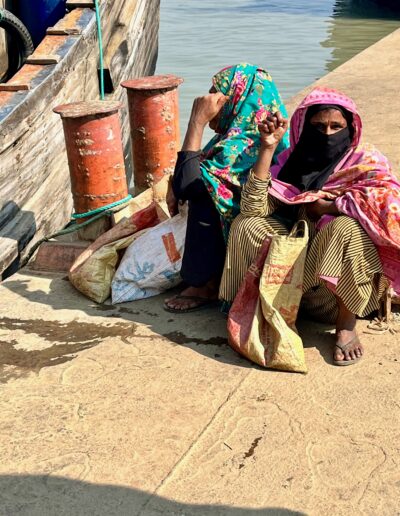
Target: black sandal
[(203, 302), (345, 348)]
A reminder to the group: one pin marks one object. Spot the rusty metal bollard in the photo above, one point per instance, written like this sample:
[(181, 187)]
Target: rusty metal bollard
[(95, 156), (154, 122)]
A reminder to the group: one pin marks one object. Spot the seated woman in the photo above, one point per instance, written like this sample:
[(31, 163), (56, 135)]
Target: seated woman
[(351, 201), (211, 180)]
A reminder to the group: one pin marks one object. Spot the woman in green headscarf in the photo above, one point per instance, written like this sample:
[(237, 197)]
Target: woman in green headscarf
[(240, 98)]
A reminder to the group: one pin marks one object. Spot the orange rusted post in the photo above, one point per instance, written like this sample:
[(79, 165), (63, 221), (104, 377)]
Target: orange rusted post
[(154, 121), (95, 156)]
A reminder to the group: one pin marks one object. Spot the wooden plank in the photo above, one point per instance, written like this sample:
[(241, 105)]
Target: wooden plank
[(31, 221), (8, 253), (49, 51), (73, 23), (73, 4), (26, 78), (57, 256), (10, 100), (44, 60), (15, 237), (5, 98)]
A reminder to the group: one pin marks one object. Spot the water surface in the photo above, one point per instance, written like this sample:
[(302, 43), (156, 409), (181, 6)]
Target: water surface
[(297, 41)]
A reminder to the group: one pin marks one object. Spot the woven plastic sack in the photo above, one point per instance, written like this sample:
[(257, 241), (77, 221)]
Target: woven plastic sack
[(152, 263), (93, 271), (261, 322)]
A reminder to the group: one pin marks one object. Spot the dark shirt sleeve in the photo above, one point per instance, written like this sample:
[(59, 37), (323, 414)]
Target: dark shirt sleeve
[(187, 182)]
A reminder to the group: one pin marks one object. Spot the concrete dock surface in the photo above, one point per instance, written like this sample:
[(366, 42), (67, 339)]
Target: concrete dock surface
[(130, 410)]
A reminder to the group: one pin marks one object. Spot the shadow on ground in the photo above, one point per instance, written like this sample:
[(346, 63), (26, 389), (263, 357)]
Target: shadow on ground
[(203, 331), (45, 495), (319, 336)]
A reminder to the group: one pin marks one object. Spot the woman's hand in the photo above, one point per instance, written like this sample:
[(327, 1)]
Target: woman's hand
[(272, 130), (206, 108), (171, 200), (203, 111), (315, 210)]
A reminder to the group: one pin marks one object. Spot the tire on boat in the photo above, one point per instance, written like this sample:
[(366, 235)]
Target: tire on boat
[(20, 44)]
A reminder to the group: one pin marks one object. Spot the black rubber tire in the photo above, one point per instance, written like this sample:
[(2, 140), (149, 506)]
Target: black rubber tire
[(20, 44)]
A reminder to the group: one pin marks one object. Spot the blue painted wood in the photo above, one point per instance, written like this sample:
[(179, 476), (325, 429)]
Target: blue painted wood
[(17, 105), (38, 15), (14, 101)]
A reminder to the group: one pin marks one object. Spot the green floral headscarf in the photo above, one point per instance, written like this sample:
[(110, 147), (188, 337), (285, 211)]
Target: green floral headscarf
[(229, 156)]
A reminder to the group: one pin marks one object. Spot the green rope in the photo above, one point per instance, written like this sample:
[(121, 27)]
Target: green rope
[(102, 208), (101, 54), (71, 228)]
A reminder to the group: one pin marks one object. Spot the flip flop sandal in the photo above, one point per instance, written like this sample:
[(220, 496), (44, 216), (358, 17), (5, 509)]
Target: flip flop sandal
[(344, 348), (379, 327), (203, 302)]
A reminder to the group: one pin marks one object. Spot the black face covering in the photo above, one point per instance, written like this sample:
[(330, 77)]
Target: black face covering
[(316, 155)]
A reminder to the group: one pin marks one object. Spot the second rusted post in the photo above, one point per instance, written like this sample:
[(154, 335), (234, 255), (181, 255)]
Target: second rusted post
[(154, 122)]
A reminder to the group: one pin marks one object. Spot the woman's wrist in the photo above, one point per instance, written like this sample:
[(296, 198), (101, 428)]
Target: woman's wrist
[(263, 163), (332, 209), (268, 148), (194, 136), (197, 122)]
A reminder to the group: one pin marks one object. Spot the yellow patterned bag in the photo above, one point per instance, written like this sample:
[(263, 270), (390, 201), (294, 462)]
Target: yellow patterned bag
[(261, 323)]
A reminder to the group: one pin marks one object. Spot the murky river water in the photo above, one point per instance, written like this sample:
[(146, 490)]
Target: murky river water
[(297, 41)]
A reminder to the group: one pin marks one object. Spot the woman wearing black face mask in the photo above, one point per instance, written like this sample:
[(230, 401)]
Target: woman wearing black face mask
[(341, 189), (326, 137)]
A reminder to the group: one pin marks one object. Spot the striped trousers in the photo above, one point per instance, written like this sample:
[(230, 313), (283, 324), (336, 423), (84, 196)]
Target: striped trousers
[(340, 250)]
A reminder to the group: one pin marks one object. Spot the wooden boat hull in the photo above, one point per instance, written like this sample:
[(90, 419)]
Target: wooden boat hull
[(35, 197), (366, 7)]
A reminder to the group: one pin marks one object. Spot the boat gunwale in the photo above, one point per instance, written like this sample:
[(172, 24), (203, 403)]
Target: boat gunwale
[(13, 114)]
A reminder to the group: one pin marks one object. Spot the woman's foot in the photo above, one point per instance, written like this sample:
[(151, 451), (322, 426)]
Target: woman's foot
[(348, 348), (193, 298)]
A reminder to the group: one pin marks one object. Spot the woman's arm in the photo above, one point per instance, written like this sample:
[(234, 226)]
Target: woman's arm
[(272, 130), (194, 136), (315, 210), (255, 199), (262, 166), (204, 109)]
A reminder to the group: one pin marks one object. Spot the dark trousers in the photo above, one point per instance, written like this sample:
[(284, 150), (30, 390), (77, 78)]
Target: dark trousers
[(204, 255)]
